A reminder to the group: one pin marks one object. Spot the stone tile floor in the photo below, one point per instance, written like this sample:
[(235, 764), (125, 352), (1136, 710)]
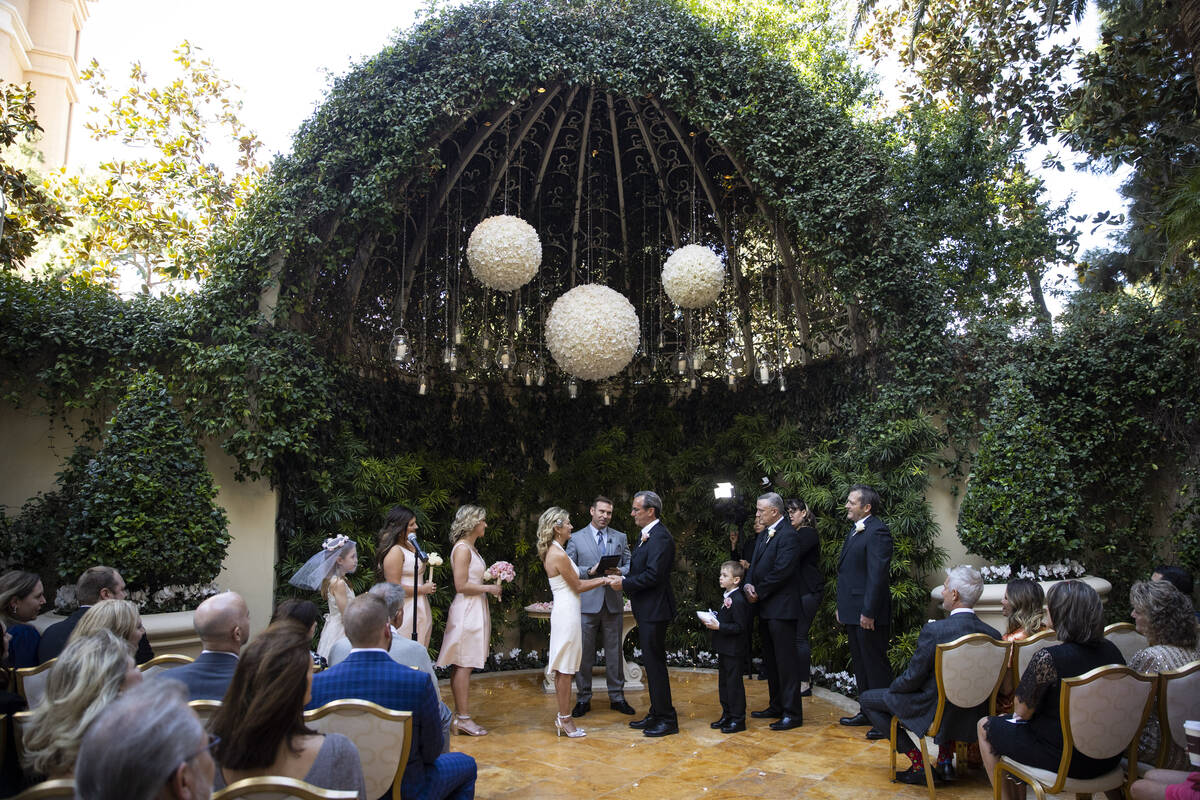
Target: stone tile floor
[(522, 758)]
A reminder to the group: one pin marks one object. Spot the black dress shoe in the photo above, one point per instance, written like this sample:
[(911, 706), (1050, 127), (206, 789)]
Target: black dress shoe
[(786, 724), (734, 727), (807, 692), (945, 771), (641, 724), (623, 707), (875, 734), (915, 776), (858, 719), (581, 708), (661, 728), (767, 713), (721, 723)]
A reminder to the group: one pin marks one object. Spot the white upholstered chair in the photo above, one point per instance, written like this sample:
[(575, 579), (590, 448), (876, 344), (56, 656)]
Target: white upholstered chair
[(1023, 651), (1178, 700), (383, 738), (968, 672), (1125, 636), (1102, 713), (31, 683), (280, 788)]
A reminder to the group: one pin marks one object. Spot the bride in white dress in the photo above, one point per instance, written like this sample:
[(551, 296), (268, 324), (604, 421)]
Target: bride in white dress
[(566, 632)]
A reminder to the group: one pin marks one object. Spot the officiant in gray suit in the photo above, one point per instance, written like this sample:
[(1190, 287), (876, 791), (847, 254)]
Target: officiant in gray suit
[(602, 607)]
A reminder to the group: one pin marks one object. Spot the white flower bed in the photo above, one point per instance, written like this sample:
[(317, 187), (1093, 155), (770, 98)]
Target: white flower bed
[(1060, 570), (592, 331), (504, 252), (693, 276)]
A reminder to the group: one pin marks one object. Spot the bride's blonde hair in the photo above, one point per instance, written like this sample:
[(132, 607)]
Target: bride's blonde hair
[(551, 518)]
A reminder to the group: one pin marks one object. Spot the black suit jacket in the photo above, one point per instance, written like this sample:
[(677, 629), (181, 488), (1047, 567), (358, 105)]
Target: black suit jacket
[(864, 580), (54, 639), (773, 572), (913, 696), (733, 637), (208, 676), (649, 581)]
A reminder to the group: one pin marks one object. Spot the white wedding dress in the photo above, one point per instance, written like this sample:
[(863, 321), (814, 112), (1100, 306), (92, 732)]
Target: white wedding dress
[(566, 630)]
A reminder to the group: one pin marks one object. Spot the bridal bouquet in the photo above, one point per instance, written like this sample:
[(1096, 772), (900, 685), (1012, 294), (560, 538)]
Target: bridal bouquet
[(434, 560), (501, 572)]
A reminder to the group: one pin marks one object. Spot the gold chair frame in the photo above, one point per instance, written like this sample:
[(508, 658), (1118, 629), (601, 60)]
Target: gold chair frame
[(290, 786), (403, 717), (28, 672), (205, 709), (166, 661), (1165, 739), (59, 787), (1064, 713), (971, 639), (19, 721)]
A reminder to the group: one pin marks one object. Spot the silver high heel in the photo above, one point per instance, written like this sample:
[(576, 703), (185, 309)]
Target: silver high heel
[(463, 724), (560, 730)]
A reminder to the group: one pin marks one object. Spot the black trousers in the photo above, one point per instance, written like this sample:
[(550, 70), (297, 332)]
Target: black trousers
[(652, 636), (874, 705), (808, 612), (868, 652), (779, 657), (732, 690)]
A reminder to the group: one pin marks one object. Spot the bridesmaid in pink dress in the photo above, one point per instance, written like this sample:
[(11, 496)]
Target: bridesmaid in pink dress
[(395, 561), (468, 623)]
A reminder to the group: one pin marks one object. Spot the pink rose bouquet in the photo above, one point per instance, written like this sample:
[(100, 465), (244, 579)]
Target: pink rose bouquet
[(501, 572)]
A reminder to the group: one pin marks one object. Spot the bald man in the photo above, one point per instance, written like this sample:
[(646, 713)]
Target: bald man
[(223, 624)]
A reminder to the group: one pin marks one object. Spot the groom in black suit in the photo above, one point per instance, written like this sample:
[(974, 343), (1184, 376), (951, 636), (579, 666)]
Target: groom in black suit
[(864, 599), (649, 588)]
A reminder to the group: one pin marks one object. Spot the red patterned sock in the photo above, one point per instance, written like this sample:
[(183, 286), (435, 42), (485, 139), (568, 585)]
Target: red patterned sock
[(914, 756)]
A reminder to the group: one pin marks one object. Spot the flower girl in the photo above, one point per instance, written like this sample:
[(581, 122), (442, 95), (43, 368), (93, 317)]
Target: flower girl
[(326, 570)]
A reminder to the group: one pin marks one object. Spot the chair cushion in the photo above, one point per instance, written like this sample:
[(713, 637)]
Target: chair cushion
[(1109, 780)]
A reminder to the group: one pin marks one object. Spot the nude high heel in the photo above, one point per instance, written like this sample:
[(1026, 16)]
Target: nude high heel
[(559, 722), (463, 725)]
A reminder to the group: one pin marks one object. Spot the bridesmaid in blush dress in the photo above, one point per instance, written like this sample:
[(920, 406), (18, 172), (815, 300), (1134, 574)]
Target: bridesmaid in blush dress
[(566, 630), (468, 623), (396, 562)]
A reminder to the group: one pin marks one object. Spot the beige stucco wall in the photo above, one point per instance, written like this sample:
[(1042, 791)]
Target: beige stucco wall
[(33, 451), (39, 44)]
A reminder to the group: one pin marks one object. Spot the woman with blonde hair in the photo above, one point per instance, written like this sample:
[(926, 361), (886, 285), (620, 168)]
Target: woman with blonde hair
[(468, 623), (89, 674), (396, 561), (566, 630), (119, 616)]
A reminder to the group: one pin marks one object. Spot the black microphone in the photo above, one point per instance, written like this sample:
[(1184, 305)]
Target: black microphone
[(412, 539)]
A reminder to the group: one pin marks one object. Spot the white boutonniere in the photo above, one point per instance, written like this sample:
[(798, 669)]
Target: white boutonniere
[(728, 602), (860, 526), (770, 534)]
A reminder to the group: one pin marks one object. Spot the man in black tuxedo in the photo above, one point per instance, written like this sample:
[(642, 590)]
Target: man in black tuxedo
[(864, 601), (648, 585), (223, 624), (913, 696), (773, 585), (95, 584)]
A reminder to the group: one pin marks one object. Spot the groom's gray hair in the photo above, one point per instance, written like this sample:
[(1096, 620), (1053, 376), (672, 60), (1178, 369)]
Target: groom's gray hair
[(651, 500)]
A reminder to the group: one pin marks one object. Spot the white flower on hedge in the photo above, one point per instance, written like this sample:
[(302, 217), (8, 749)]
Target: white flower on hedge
[(693, 276), (592, 331), (504, 252)]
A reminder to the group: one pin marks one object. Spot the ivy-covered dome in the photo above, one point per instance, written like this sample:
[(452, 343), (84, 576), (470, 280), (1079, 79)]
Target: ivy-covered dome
[(621, 131)]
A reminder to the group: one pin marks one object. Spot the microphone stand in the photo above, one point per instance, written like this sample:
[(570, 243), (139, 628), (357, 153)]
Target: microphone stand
[(416, 585)]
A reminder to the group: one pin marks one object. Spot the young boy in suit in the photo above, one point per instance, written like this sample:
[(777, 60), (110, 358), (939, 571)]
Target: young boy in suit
[(731, 638)]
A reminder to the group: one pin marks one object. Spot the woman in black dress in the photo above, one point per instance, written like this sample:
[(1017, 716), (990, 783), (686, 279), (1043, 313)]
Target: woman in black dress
[(808, 571), (1077, 617)]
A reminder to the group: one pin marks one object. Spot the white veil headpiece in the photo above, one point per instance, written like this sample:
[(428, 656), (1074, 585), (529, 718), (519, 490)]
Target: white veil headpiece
[(322, 564)]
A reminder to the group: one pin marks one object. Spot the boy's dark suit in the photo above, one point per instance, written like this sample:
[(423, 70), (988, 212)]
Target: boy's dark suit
[(732, 643)]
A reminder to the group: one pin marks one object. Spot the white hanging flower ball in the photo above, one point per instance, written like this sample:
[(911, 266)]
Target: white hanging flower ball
[(592, 331), (693, 276), (504, 252)]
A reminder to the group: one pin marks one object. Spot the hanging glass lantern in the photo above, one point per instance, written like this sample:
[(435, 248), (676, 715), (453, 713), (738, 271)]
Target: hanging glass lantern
[(539, 373), (763, 372), (401, 349), (697, 359), (782, 381), (680, 363), (662, 341), (694, 382), (573, 388), (506, 359), (525, 370), (452, 363), (607, 396), (447, 351), (731, 379), (422, 385), (458, 334)]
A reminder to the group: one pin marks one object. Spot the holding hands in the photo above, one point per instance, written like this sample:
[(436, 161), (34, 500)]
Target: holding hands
[(614, 582)]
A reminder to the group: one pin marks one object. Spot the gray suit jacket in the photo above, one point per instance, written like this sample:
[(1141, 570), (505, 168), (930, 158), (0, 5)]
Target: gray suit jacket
[(913, 696), (581, 549), (207, 677)]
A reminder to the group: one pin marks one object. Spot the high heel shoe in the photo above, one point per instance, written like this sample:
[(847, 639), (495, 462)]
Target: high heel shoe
[(560, 729), (463, 725)]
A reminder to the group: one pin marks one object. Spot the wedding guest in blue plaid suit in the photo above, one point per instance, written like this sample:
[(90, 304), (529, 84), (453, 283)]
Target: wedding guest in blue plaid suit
[(369, 673)]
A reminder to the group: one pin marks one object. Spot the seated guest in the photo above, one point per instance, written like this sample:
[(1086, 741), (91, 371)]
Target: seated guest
[(1164, 616), (1178, 577), (147, 745), (11, 779), (306, 613), (1024, 606), (261, 721), (119, 616), (913, 696), (1166, 784), (368, 673), (87, 677), (1076, 614), (223, 624), (21, 598), (404, 649), (95, 584)]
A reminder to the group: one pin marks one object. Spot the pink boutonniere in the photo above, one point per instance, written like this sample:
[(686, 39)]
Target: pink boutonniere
[(728, 602), (645, 536)]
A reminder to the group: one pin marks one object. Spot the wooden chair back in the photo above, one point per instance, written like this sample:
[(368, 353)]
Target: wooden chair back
[(280, 788)]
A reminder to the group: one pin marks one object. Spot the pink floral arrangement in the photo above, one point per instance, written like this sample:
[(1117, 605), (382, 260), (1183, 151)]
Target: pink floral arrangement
[(501, 572)]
